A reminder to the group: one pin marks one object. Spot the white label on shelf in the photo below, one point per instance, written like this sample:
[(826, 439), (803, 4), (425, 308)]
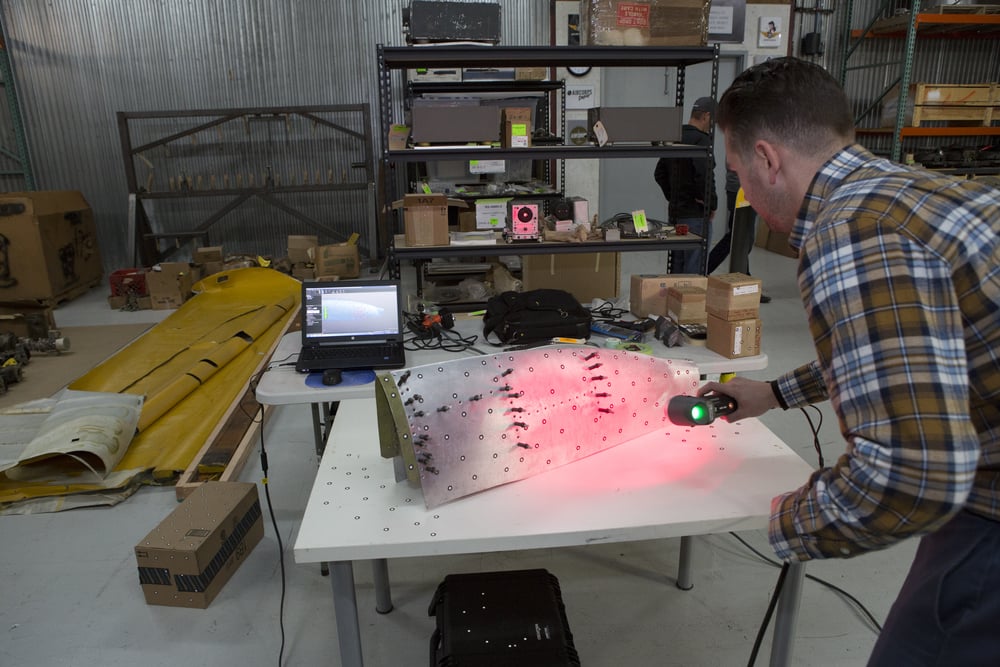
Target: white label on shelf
[(486, 166)]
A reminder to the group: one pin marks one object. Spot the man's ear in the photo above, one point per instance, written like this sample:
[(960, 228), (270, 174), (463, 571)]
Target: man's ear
[(766, 151)]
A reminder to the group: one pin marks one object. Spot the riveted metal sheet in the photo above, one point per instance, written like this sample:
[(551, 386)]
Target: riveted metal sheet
[(479, 422)]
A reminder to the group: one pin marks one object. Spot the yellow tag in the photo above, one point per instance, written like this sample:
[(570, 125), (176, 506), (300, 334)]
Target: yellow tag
[(639, 220), (426, 188), (519, 129), (741, 200), (353, 239), (263, 261)]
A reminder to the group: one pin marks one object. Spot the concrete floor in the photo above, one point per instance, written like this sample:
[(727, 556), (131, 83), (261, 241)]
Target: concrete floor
[(71, 596)]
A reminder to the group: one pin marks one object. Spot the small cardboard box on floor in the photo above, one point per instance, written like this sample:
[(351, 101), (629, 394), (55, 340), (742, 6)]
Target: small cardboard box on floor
[(169, 284), (339, 260), (587, 276), (648, 291), (48, 246), (186, 560)]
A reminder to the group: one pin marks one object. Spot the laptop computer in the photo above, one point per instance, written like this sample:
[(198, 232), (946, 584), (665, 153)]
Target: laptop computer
[(354, 324)]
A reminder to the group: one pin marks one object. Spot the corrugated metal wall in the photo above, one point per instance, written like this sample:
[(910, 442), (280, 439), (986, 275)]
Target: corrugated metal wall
[(78, 62)]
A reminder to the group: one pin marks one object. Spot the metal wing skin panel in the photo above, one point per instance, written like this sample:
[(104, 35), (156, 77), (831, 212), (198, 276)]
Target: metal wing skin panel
[(479, 422)]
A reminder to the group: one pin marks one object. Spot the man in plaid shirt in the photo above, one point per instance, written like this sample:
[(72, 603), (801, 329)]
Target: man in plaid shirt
[(899, 273)]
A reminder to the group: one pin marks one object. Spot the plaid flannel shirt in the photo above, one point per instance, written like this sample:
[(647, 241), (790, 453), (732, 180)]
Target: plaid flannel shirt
[(899, 272)]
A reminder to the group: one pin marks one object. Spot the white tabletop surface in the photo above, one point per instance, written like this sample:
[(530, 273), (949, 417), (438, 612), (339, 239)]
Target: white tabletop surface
[(675, 482), (282, 385)]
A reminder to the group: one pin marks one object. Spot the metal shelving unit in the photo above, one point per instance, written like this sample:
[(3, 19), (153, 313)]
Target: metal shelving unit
[(913, 25), (398, 58)]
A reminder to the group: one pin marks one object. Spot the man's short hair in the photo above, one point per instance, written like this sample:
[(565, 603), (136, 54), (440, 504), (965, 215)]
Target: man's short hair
[(786, 99)]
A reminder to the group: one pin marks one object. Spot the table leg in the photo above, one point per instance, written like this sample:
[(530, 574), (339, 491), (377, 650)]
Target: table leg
[(317, 429), (383, 596), (684, 565), (786, 615), (345, 605)]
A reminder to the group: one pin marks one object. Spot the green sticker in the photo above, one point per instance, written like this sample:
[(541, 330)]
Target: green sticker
[(426, 188), (639, 220)]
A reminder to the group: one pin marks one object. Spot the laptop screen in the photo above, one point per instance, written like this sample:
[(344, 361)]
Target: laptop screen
[(351, 311)]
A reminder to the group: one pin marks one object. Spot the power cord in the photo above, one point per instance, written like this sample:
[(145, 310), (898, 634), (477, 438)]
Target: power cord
[(277, 534)]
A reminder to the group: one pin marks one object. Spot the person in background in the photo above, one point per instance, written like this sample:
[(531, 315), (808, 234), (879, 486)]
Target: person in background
[(724, 247), (899, 273), (685, 182)]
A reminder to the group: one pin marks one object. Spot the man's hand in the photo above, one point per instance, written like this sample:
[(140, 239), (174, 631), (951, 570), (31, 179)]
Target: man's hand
[(753, 397)]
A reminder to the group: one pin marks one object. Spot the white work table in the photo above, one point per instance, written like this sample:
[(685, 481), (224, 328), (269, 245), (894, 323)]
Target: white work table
[(675, 482)]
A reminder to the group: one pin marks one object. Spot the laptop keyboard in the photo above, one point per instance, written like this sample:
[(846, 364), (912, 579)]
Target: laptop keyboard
[(349, 352)]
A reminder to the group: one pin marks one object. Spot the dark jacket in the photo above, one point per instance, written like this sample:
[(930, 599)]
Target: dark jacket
[(683, 179)]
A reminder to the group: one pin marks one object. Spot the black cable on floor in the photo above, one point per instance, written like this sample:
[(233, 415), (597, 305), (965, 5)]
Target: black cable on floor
[(857, 603), (767, 615), (277, 534)]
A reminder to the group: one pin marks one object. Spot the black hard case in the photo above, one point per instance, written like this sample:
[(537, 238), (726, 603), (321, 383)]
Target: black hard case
[(499, 619)]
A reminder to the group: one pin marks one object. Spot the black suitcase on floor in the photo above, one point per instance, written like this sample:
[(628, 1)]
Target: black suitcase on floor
[(499, 619)]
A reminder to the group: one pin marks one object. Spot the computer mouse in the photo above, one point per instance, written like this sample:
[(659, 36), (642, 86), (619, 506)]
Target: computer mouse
[(332, 376)]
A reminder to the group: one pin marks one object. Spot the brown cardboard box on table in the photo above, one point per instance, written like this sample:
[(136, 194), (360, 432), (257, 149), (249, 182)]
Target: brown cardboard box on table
[(649, 23), (169, 284), (337, 259), (733, 338), (48, 246), (733, 296), (587, 276), (686, 305), (648, 291), (186, 560), (425, 218)]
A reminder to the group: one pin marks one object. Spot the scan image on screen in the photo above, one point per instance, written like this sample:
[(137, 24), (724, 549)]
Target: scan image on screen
[(351, 311)]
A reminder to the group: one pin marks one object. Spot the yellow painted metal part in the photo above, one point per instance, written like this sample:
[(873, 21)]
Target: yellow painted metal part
[(191, 367)]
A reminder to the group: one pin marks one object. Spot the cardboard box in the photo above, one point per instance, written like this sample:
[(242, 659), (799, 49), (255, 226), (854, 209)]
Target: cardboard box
[(48, 246), (586, 276), (531, 73), (299, 246), (186, 560), (516, 127), (733, 296), (733, 338), (169, 284), (686, 305), (491, 213), (648, 291), (650, 23), (207, 254), (338, 259), (26, 319), (774, 241), (399, 136), (425, 218), (303, 271), (638, 124)]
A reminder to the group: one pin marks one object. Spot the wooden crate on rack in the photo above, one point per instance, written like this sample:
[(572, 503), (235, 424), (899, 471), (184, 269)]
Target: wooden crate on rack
[(966, 103)]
